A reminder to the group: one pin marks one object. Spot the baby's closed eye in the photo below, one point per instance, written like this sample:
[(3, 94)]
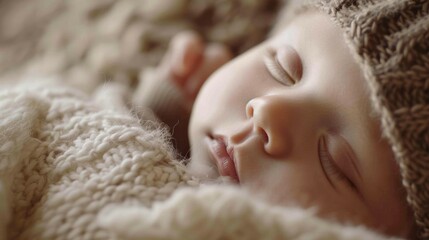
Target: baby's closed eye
[(284, 64)]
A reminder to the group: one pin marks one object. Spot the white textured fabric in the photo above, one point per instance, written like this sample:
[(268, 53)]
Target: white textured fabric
[(75, 167), (63, 159), (221, 212)]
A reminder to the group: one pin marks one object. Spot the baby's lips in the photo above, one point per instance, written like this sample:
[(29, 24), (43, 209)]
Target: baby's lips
[(223, 154)]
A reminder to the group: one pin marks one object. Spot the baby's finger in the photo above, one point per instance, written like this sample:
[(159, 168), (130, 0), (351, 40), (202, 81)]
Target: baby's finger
[(187, 51), (215, 55)]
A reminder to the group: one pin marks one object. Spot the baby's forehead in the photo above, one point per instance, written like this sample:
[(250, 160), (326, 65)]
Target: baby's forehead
[(288, 13)]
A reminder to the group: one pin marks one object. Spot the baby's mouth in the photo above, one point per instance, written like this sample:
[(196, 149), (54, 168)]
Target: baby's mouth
[(223, 155)]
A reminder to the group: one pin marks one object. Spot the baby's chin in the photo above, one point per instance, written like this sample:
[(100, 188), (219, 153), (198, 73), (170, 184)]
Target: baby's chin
[(201, 170), (206, 174)]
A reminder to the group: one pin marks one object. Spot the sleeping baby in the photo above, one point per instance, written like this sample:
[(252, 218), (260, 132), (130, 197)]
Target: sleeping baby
[(328, 116), (329, 112)]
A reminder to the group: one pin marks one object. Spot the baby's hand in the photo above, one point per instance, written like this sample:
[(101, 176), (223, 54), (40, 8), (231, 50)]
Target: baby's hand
[(189, 62)]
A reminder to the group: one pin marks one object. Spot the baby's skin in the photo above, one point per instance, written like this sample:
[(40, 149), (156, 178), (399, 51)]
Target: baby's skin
[(291, 122), (189, 62)]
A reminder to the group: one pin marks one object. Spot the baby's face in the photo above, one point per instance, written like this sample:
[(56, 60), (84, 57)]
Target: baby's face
[(291, 122)]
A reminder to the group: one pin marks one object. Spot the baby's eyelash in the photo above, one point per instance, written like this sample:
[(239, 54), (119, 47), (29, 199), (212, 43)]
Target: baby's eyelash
[(275, 68), (330, 169)]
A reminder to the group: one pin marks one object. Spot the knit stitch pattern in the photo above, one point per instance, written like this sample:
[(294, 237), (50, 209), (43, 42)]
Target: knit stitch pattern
[(63, 160)]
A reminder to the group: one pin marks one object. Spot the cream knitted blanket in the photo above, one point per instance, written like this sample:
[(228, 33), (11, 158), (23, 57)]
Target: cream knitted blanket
[(79, 167)]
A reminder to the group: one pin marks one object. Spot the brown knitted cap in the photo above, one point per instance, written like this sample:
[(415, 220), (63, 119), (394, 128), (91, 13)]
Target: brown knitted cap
[(390, 41)]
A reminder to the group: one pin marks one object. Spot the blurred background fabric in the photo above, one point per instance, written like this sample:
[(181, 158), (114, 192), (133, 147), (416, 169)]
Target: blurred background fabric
[(85, 43)]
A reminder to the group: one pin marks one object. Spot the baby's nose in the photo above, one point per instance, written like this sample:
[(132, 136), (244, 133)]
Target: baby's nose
[(277, 121)]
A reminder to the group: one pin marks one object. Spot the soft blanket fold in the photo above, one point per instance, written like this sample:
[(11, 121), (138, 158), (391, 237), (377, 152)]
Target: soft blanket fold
[(63, 159), (220, 212)]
